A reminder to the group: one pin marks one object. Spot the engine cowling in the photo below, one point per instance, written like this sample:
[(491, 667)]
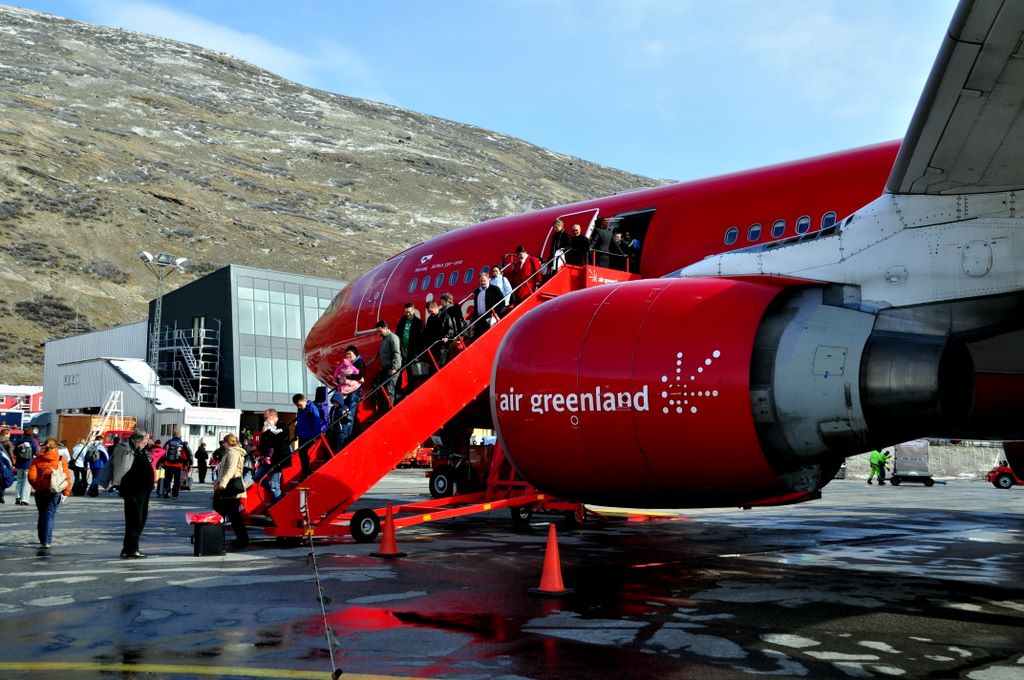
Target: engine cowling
[(687, 392)]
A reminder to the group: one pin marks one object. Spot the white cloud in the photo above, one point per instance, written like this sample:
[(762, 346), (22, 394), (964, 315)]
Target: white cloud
[(343, 65)]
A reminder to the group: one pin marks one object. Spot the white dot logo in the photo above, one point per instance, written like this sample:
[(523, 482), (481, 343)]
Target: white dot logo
[(679, 395)]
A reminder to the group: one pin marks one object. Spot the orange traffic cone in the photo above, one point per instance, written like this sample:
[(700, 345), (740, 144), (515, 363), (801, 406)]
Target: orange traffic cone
[(388, 546), (551, 579)]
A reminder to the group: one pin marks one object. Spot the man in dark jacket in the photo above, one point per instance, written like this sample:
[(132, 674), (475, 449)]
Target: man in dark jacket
[(433, 331), (579, 247), (308, 426), (489, 303), (133, 478), (452, 323), (274, 445), (601, 242), (410, 332)]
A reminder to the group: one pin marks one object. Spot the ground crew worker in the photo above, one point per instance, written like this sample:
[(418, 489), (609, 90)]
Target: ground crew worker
[(879, 462)]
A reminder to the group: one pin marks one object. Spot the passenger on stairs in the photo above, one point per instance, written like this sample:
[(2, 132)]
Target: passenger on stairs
[(521, 274), (308, 426), (274, 446), (349, 381), (452, 323), (560, 244), (390, 356), (579, 247), (489, 304), (601, 242)]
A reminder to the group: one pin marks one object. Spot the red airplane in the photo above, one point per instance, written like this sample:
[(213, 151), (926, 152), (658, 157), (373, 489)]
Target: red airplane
[(783, 318)]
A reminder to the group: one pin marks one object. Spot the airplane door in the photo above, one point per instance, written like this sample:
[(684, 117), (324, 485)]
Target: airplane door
[(584, 218), (373, 294)]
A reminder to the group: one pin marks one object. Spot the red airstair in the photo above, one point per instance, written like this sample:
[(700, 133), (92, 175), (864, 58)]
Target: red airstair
[(337, 481)]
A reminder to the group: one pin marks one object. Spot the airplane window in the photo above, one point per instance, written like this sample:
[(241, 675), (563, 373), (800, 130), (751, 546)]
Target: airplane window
[(453, 278), (468, 278), (828, 219), (754, 232), (778, 228), (731, 234), (426, 282), (803, 224), (413, 284), (439, 280)]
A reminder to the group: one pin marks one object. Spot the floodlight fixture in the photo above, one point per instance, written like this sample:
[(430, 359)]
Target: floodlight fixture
[(165, 260), (145, 256)]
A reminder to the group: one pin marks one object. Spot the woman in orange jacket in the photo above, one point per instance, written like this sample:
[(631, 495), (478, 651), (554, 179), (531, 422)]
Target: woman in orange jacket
[(40, 474)]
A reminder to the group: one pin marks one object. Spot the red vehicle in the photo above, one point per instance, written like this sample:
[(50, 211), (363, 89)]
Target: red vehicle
[(1005, 474), (782, 318), (1002, 476)]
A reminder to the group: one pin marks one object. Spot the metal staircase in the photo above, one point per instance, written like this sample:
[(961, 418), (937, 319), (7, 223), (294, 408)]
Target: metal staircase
[(190, 361), (111, 416), (343, 477)]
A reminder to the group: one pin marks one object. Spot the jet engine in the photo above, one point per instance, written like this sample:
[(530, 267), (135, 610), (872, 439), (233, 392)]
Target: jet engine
[(729, 392)]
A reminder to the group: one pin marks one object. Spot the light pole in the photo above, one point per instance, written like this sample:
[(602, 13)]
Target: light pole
[(161, 267)]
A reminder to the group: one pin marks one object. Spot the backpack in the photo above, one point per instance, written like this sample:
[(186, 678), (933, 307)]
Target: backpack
[(92, 453), (6, 474), (173, 454), (24, 450), (58, 480)]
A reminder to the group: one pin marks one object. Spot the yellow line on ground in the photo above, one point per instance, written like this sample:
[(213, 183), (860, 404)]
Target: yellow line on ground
[(219, 671)]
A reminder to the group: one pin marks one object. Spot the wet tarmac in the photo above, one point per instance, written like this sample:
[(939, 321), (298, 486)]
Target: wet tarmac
[(867, 582)]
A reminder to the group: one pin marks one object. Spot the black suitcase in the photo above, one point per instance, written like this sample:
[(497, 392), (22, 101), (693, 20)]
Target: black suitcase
[(207, 539)]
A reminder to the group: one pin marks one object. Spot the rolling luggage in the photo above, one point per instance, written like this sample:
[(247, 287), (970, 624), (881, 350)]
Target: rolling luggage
[(207, 533)]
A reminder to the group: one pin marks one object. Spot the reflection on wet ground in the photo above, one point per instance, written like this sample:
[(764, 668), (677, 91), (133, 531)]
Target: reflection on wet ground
[(908, 581)]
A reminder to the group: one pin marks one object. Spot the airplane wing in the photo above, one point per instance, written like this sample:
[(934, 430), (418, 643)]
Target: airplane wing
[(967, 134)]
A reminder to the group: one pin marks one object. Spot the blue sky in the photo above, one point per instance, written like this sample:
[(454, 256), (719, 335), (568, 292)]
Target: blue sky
[(678, 89)]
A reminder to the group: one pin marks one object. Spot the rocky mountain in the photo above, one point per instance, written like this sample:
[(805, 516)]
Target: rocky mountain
[(113, 142)]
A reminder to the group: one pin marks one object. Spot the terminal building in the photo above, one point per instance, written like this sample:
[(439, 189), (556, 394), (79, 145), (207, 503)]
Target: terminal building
[(230, 345)]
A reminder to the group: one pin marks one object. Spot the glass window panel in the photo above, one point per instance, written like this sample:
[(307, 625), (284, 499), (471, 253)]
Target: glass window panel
[(731, 234), (291, 299), (828, 219), (469, 276), (293, 322), (260, 295), (778, 228), (308, 321), (426, 282), (277, 297), (439, 280), (754, 232), (453, 278), (244, 293), (280, 375), (803, 224), (295, 371), (413, 284), (261, 325), (248, 367), (245, 312), (264, 374), (277, 327)]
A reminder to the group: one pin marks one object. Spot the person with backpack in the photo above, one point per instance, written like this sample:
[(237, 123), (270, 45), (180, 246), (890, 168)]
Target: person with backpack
[(79, 468), (49, 475), (174, 460), (7, 473), (96, 458), (26, 448)]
